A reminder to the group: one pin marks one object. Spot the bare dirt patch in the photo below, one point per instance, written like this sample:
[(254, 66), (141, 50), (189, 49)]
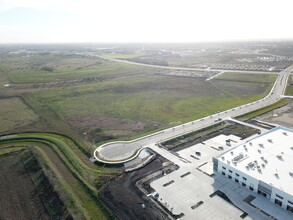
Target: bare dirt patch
[(105, 128), (89, 122), (282, 116), (126, 201), (19, 198)]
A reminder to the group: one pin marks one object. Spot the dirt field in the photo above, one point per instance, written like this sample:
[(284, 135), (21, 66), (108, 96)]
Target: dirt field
[(19, 198), (125, 199), (282, 116)]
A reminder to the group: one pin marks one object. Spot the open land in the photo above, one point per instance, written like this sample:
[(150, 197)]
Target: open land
[(14, 113), (88, 99)]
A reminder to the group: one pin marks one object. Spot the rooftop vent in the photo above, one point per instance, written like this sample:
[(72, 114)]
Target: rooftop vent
[(280, 157), (291, 174), (259, 151), (259, 169), (277, 176), (261, 145), (250, 143), (285, 133), (239, 158), (251, 165), (270, 140), (231, 152), (223, 158)]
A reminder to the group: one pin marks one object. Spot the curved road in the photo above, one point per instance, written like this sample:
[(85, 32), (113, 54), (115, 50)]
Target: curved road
[(122, 151)]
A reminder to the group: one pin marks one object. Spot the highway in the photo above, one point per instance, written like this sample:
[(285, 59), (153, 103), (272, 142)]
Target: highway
[(122, 151)]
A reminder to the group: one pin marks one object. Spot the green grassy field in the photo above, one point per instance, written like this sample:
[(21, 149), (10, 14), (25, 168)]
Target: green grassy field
[(265, 109), (123, 55), (247, 77), (56, 67), (101, 72), (123, 108), (14, 113), (102, 100), (289, 89)]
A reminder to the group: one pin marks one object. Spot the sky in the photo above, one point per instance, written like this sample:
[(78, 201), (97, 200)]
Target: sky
[(82, 21)]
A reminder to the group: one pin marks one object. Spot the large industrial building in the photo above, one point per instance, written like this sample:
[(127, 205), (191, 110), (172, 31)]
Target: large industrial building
[(263, 164)]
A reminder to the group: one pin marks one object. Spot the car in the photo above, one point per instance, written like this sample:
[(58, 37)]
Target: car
[(198, 153)]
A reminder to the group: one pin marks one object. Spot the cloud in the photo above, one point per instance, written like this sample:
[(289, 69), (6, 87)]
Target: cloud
[(146, 20)]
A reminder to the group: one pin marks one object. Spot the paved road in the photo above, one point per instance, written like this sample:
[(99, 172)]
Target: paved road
[(118, 152), (182, 68)]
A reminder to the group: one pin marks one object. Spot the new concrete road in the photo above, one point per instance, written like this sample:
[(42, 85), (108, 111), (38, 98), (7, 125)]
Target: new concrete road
[(119, 152), (182, 68)]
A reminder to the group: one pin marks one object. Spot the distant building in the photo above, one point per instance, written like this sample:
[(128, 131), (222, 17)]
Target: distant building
[(263, 164)]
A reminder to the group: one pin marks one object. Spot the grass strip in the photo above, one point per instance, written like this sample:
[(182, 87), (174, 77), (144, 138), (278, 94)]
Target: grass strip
[(264, 110)]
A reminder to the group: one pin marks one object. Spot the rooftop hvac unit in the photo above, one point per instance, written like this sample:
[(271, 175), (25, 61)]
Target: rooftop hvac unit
[(261, 145), (279, 157)]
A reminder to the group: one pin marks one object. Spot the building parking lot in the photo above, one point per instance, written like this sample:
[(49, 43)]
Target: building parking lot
[(189, 192)]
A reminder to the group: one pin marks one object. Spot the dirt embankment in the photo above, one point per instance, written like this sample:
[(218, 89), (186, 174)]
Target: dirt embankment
[(26, 192)]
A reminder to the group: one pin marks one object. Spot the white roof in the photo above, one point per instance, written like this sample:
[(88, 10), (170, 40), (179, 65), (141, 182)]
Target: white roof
[(267, 157)]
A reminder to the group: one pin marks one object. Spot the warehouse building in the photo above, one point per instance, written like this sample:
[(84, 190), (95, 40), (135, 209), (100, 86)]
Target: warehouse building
[(263, 164)]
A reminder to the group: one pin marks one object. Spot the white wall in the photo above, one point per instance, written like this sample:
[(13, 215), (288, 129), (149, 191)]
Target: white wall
[(255, 182), (249, 182)]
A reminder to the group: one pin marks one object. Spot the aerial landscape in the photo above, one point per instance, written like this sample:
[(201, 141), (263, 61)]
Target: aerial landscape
[(139, 112)]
